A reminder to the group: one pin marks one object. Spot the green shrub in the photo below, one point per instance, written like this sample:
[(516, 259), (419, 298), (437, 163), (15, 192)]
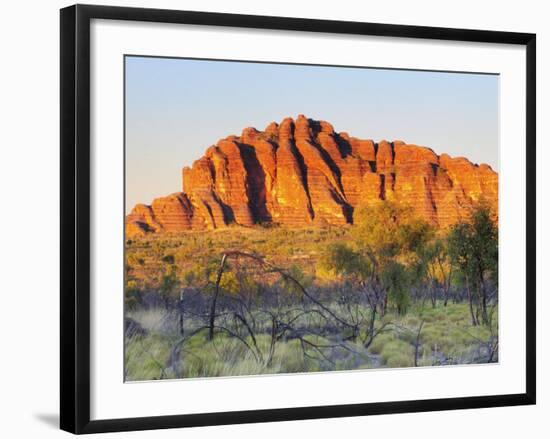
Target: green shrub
[(379, 342), (400, 360), (395, 351)]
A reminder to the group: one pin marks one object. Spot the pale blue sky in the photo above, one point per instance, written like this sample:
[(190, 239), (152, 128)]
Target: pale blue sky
[(176, 108)]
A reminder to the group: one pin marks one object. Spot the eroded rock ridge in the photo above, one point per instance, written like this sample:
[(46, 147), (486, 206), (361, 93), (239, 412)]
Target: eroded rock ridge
[(301, 172)]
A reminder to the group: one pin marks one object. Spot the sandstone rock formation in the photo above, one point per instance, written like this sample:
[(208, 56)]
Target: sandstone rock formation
[(301, 172)]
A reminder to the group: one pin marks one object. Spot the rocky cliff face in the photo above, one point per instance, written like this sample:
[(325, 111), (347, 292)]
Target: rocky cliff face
[(301, 172)]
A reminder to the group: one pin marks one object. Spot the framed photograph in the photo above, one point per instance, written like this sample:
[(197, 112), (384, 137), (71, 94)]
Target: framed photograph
[(274, 218)]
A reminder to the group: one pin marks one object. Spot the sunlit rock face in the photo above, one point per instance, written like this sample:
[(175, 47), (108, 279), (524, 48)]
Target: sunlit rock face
[(301, 172)]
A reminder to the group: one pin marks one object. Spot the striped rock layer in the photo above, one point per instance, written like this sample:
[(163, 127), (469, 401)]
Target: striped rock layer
[(301, 172)]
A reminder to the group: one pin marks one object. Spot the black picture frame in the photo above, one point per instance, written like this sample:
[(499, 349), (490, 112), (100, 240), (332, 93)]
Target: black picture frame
[(75, 217)]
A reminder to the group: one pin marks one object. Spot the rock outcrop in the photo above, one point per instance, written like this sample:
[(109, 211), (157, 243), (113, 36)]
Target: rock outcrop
[(301, 172)]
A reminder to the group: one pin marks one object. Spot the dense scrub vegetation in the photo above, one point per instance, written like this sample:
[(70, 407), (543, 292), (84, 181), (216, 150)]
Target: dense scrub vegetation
[(389, 291)]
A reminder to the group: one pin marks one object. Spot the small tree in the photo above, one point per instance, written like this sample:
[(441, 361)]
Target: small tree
[(355, 268), (484, 253), (390, 237), (169, 279), (437, 269), (168, 284), (473, 247), (397, 280)]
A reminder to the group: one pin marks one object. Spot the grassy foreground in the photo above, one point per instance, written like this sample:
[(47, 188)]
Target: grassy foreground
[(446, 338)]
